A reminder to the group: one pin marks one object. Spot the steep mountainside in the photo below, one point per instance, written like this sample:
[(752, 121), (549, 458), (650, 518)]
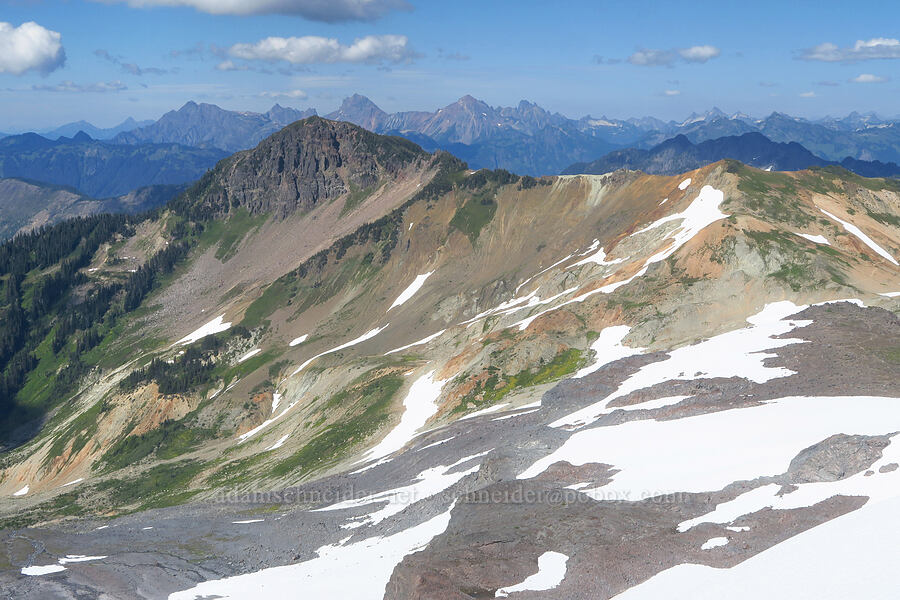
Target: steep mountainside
[(208, 126), (101, 169), (26, 205), (337, 354), (678, 155)]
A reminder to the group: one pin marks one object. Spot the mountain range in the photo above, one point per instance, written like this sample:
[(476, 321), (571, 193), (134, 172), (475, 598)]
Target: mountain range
[(527, 138), (678, 155), (102, 169), (208, 126), (27, 205), (97, 133), (343, 365)]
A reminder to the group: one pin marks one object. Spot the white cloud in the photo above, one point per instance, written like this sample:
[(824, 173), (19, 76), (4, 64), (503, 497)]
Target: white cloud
[(229, 65), (313, 49), (328, 11), (868, 78), (293, 94), (29, 47), (648, 57), (807, 94), (875, 48), (672, 93), (652, 58), (699, 54), (79, 88)]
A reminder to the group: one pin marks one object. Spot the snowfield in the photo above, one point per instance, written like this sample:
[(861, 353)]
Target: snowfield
[(853, 556), (739, 353), (359, 571), (761, 440)]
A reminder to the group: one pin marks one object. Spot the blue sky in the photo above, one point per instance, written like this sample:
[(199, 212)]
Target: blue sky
[(666, 59)]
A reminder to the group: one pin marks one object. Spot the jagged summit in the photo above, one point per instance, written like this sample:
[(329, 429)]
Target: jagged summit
[(311, 161)]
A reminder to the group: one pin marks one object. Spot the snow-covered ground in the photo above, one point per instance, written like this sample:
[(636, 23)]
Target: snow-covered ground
[(853, 556), (360, 570), (739, 353), (760, 441)]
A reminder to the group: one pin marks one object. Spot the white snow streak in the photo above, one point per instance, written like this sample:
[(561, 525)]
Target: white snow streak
[(217, 325), (421, 342), (851, 228), (683, 185), (410, 291), (366, 336), (249, 355), (419, 405), (819, 239)]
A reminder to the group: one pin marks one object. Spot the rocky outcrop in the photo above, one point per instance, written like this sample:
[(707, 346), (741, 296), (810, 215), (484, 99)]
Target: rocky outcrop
[(309, 162)]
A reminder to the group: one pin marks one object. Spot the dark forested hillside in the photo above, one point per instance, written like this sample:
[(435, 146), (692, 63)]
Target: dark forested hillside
[(52, 313), (101, 169)]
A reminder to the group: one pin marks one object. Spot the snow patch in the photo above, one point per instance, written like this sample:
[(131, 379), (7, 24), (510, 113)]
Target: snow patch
[(247, 522), (419, 405), (215, 326), (22, 492), (79, 480), (79, 558), (249, 355), (715, 542), (484, 411), (428, 483), (42, 570), (299, 340), (877, 487), (827, 562), (410, 291), (608, 348), (819, 239), (551, 571), (683, 185), (279, 443)]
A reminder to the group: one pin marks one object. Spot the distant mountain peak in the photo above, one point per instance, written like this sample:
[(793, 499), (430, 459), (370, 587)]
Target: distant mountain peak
[(81, 136)]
